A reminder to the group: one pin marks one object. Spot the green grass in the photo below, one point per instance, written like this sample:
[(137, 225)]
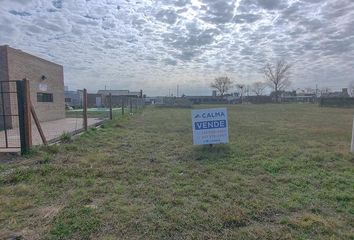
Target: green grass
[(286, 174), (95, 112)]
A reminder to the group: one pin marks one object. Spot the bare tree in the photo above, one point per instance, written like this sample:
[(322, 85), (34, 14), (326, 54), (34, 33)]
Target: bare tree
[(222, 84), (277, 76), (258, 87)]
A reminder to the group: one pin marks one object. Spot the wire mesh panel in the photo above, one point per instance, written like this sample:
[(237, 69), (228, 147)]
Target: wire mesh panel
[(135, 104), (9, 118), (75, 117), (97, 111), (84, 110)]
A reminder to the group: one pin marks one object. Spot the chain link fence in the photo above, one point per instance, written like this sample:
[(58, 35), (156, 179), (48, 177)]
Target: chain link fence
[(46, 121)]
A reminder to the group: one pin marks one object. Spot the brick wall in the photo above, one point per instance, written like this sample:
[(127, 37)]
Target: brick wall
[(23, 65)]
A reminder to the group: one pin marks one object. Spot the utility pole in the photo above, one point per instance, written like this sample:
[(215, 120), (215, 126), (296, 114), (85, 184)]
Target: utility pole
[(177, 90)]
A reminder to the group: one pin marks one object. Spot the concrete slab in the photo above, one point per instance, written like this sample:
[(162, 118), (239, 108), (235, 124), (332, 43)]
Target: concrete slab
[(51, 129)]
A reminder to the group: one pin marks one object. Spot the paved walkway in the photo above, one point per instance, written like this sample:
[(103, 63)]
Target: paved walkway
[(51, 129)]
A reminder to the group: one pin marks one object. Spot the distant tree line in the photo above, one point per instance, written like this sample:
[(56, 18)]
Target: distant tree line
[(276, 76)]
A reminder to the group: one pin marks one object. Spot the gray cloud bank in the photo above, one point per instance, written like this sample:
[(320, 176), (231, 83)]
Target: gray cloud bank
[(156, 45)]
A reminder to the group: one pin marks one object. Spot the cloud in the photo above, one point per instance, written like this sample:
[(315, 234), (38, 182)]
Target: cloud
[(270, 4), (33, 29), (218, 11), (7, 30), (189, 44), (17, 1), (248, 6), (58, 4), (169, 61), (247, 18), (155, 44), (23, 14), (167, 16), (182, 3)]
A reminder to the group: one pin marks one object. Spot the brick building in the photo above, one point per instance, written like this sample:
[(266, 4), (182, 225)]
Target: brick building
[(118, 96), (46, 84)]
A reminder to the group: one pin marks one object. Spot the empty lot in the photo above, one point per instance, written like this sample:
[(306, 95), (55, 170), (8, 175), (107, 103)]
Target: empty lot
[(286, 174)]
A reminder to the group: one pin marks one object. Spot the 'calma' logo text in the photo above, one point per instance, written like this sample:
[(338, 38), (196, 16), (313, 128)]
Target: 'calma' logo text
[(210, 115)]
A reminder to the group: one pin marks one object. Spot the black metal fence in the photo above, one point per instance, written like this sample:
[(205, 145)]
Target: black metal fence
[(13, 109)]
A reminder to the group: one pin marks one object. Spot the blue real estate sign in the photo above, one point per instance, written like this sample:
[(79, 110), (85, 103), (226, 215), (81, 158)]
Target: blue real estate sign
[(210, 126)]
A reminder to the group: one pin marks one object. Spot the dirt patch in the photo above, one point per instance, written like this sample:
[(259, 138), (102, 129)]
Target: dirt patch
[(49, 212), (26, 233), (9, 157)]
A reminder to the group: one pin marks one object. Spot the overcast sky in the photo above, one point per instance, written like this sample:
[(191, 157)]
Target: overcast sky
[(155, 45)]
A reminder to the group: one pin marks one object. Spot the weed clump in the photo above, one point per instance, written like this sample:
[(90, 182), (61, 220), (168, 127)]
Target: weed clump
[(52, 149), (46, 159), (65, 137)]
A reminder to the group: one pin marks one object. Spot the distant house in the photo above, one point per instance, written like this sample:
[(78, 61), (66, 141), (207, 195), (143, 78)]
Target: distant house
[(120, 93), (119, 97), (294, 97), (73, 98), (206, 99), (305, 98), (343, 94), (233, 98), (336, 99), (153, 100), (258, 99)]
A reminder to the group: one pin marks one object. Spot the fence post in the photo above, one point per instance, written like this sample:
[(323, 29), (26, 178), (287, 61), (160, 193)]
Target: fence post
[(24, 113), (27, 112), (39, 128), (21, 116), (352, 143), (130, 106), (85, 109), (110, 107), (122, 105)]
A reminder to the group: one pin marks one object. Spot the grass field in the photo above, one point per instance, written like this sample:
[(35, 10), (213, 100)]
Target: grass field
[(94, 112), (286, 174)]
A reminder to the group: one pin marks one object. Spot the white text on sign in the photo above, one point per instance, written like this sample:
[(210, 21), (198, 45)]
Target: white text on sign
[(210, 126)]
